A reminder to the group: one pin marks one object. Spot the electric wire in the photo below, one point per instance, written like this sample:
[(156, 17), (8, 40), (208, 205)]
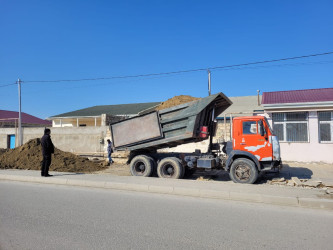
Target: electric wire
[(277, 65), (181, 71), (226, 67), (6, 85)]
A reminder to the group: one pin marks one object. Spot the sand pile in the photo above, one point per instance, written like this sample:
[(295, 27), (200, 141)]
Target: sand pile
[(177, 100), (29, 156)]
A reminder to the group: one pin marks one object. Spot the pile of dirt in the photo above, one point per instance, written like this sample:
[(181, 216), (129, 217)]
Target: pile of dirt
[(29, 156), (177, 100)]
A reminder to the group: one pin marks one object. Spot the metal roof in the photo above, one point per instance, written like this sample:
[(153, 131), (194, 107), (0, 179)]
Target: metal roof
[(243, 105), (12, 116), (298, 96), (121, 109)]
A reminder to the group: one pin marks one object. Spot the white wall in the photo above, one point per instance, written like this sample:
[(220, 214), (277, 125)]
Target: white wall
[(188, 148), (312, 151), (58, 124)]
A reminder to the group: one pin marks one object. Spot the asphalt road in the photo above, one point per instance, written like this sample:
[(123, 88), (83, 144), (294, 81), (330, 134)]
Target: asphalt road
[(39, 216)]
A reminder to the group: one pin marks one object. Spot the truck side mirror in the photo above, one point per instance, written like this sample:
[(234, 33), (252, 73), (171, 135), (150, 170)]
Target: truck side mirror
[(261, 128)]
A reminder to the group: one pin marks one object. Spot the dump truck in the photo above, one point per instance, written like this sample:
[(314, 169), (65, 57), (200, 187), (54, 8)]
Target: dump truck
[(252, 149)]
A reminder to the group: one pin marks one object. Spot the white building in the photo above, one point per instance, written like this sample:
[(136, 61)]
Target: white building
[(303, 122)]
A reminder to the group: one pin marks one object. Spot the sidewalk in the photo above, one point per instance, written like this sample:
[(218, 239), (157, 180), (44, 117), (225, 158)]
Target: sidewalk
[(269, 194), (314, 171)]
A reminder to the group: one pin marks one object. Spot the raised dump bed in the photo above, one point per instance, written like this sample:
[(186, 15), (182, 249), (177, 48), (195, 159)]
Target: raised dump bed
[(169, 127)]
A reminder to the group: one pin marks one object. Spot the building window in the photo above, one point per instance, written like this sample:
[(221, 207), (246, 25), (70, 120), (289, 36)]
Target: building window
[(291, 127), (325, 119)]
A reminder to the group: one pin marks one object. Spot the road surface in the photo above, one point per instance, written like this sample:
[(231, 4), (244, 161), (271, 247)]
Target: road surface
[(40, 216)]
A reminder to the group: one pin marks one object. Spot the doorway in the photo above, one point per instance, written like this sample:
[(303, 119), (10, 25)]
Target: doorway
[(11, 141)]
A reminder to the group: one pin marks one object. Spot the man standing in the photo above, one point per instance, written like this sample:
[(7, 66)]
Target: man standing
[(47, 149), (110, 150)]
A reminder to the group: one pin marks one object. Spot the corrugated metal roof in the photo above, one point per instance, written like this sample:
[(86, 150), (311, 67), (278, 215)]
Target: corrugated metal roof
[(121, 109), (11, 116), (298, 96)]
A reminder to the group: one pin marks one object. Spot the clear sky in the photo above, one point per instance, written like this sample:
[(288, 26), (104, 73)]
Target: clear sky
[(78, 39)]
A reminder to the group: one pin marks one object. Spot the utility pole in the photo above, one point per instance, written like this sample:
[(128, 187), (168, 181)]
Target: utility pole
[(258, 91), (208, 81), (20, 139)]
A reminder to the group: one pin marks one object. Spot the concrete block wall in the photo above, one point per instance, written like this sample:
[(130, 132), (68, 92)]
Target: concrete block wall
[(75, 140), (4, 133), (188, 148), (223, 131)]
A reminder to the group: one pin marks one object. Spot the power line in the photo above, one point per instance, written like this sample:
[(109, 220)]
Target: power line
[(176, 72), (278, 65), (183, 71), (274, 60), (7, 85), (135, 80)]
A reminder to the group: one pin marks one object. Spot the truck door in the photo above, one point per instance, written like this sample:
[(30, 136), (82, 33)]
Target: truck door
[(254, 139)]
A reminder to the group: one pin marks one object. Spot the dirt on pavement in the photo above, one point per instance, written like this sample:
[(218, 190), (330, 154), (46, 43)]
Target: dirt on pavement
[(118, 169), (177, 100), (29, 157)]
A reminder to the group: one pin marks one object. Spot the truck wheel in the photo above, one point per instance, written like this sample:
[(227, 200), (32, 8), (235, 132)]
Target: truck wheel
[(243, 171), (154, 171), (182, 167), (142, 165), (170, 167)]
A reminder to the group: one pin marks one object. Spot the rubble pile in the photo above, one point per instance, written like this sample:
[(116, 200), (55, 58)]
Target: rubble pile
[(205, 178), (305, 183), (177, 100), (29, 157)]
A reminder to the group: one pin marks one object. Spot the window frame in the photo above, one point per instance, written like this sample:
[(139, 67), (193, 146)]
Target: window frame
[(251, 121), (325, 122), (285, 122)]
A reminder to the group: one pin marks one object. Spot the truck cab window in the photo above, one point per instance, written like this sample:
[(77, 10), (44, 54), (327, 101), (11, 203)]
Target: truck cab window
[(268, 125), (261, 127), (249, 127)]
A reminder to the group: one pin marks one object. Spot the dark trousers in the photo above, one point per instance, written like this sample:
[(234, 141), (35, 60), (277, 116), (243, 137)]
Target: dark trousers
[(46, 164)]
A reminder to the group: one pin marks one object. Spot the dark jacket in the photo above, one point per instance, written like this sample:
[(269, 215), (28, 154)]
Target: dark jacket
[(47, 145), (110, 150)]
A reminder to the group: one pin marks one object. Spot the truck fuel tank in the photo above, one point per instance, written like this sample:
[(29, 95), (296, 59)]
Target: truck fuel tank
[(206, 163)]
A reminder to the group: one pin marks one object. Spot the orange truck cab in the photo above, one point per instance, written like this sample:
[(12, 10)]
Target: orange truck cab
[(254, 148)]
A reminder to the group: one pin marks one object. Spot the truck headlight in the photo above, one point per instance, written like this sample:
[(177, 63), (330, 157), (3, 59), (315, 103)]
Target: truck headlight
[(276, 148)]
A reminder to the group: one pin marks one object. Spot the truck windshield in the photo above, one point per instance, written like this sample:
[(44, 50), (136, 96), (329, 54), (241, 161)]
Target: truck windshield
[(269, 126)]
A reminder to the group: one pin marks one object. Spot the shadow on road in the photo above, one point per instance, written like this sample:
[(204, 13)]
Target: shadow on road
[(286, 172), (217, 175), (299, 172)]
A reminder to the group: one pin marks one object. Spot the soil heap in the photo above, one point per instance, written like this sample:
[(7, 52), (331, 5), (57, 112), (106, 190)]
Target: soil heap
[(177, 100), (29, 156)]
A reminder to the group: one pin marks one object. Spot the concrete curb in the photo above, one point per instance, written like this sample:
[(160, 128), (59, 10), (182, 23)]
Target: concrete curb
[(318, 203)]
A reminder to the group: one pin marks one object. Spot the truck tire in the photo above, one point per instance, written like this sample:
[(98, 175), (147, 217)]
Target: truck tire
[(154, 171), (182, 166), (170, 167), (142, 165), (243, 170)]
